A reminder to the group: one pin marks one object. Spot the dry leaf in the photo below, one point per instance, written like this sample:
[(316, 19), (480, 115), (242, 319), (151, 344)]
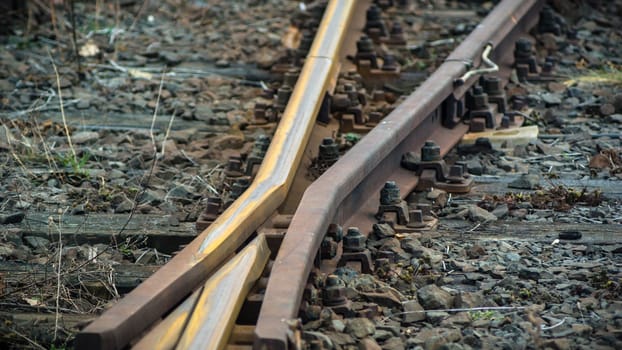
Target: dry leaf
[(581, 64), (32, 301), (135, 73), (89, 49), (599, 161), (291, 39)]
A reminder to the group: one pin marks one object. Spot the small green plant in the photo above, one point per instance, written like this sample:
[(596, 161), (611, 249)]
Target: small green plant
[(420, 65), (351, 138), (482, 315), (77, 164), (125, 249), (407, 275), (524, 293)]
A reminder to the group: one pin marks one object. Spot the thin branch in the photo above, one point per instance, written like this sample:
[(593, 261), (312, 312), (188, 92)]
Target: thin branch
[(155, 115), (153, 164), (30, 341), (168, 131), (495, 308), (58, 279), (62, 110), (140, 11), (73, 32)]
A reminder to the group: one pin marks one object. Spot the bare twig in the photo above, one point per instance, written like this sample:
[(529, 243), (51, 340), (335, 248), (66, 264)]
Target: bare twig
[(62, 110), (492, 308), (58, 275), (117, 13), (40, 108), (168, 131), (30, 341), (73, 33), (546, 328), (153, 164), (140, 11), (14, 154), (155, 115), (54, 21), (113, 287), (46, 148), (475, 227), (38, 308), (97, 11), (188, 158)]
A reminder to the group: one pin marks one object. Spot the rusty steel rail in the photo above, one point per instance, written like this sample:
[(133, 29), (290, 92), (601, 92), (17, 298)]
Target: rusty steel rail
[(146, 304), (206, 318), (348, 192)]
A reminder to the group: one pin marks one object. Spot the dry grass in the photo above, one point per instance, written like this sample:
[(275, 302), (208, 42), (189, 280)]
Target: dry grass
[(610, 75)]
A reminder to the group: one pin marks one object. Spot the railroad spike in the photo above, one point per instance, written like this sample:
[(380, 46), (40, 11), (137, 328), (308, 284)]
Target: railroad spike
[(391, 202)]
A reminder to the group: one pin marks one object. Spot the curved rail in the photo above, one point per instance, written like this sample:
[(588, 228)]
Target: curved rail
[(206, 317), (175, 280), (344, 188)]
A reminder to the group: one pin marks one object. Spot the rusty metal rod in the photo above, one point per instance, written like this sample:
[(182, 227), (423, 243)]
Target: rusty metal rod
[(169, 285), (359, 175)]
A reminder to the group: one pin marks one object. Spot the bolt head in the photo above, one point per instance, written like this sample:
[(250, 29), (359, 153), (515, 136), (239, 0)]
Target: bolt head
[(327, 141), (430, 152), (456, 171), (354, 241), (334, 291), (415, 216), (332, 281)]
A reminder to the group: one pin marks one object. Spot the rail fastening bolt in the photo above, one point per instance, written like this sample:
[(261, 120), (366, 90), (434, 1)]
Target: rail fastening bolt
[(492, 85), (390, 193), (290, 77), (522, 48), (305, 42), (373, 14), (389, 64), (480, 98), (456, 173), (282, 96), (396, 29), (354, 241), (416, 218), (234, 164), (334, 291), (364, 45), (238, 187), (329, 152), (430, 152)]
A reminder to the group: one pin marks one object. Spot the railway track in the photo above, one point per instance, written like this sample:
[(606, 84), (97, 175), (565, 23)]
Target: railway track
[(241, 282)]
